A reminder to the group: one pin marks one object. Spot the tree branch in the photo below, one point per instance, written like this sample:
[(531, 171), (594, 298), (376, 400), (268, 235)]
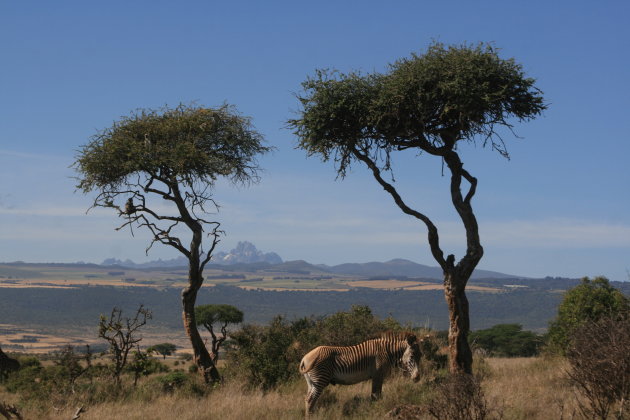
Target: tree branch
[(433, 237), (474, 250)]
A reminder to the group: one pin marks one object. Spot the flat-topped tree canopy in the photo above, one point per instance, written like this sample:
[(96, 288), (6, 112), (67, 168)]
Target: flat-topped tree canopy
[(221, 313), (429, 101), (186, 143)]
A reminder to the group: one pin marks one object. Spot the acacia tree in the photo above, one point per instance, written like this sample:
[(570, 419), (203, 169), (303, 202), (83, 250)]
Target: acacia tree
[(163, 349), (208, 315), (157, 169), (429, 103)]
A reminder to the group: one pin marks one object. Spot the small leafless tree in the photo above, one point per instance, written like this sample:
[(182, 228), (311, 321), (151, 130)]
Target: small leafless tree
[(122, 336), (599, 358)]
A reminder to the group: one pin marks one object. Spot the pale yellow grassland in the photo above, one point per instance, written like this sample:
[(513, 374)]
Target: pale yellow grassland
[(533, 389), (530, 388)]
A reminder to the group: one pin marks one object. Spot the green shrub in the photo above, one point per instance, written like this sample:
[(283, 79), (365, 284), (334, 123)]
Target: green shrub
[(263, 352), (183, 384), (173, 379), (27, 361), (350, 328), (507, 340), (590, 301)]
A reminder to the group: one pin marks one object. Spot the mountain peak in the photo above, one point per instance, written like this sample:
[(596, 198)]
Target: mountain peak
[(246, 252)]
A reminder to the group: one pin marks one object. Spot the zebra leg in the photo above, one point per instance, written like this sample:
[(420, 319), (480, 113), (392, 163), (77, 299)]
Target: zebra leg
[(313, 393), (377, 387)]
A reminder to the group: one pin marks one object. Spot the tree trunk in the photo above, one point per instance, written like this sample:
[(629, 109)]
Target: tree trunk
[(201, 356), (460, 355)]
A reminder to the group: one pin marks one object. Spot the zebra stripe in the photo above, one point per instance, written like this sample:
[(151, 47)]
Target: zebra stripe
[(372, 359)]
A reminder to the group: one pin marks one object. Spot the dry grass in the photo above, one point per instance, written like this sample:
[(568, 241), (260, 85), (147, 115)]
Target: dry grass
[(530, 388), (517, 389)]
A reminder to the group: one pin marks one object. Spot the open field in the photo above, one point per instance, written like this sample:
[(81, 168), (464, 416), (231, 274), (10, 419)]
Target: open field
[(41, 341), (18, 275), (518, 389)]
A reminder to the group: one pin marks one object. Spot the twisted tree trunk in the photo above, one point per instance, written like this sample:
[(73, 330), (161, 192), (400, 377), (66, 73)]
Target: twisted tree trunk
[(460, 360), (201, 357)]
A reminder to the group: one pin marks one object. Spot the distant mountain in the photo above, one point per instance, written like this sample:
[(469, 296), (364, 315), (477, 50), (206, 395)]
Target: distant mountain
[(247, 253), (244, 253), (299, 267), (247, 257), (401, 267), (159, 263)]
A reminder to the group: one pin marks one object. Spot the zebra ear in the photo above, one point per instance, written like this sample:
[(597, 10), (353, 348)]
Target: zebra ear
[(411, 339)]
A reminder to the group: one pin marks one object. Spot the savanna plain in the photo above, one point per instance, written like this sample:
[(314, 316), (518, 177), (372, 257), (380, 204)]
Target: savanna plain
[(513, 388)]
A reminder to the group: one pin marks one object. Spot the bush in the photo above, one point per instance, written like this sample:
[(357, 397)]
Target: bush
[(350, 328), (599, 356), (186, 385), (589, 301), (263, 352), (28, 361), (149, 367), (172, 380), (507, 340), (460, 397)]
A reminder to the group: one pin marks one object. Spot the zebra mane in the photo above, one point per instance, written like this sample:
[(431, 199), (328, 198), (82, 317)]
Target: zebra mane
[(396, 336)]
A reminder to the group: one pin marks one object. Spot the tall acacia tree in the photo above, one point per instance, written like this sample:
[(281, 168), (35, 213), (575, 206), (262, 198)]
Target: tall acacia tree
[(157, 169), (429, 103)]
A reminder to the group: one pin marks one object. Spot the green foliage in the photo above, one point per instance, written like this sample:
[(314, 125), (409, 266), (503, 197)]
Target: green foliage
[(189, 143), (28, 361), (589, 301), (57, 382), (73, 365), (427, 101), (143, 365), (223, 314), (28, 382), (263, 353), (349, 328), (164, 349), (173, 380), (207, 315), (507, 340)]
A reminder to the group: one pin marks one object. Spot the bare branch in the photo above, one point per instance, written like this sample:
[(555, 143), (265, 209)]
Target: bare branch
[(433, 237)]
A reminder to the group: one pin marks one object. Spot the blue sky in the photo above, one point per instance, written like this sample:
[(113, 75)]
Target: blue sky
[(559, 207)]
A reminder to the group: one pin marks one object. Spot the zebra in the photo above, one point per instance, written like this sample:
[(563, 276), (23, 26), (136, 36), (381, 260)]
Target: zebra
[(372, 359)]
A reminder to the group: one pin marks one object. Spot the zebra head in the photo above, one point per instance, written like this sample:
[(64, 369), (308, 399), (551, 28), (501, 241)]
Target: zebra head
[(410, 360)]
